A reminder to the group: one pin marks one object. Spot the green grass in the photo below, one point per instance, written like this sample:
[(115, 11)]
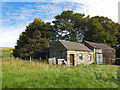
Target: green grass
[(23, 74), (6, 53)]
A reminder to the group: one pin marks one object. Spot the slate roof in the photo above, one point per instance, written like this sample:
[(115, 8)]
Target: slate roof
[(99, 45), (74, 46)]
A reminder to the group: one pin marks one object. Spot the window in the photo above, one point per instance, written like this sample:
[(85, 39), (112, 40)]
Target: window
[(80, 56), (89, 56)]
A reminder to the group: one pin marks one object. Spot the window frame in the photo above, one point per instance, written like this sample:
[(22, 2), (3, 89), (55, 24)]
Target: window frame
[(80, 56), (89, 57)]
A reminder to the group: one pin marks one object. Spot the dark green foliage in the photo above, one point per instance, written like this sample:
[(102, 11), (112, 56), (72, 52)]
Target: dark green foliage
[(69, 25), (37, 36), (118, 52), (102, 30), (76, 27)]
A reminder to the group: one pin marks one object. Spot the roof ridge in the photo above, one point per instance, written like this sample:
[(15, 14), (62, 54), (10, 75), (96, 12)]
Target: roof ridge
[(93, 42), (99, 45), (71, 45), (71, 41)]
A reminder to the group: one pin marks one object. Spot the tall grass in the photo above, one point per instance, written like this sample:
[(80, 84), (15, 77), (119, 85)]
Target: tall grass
[(6, 53), (25, 74)]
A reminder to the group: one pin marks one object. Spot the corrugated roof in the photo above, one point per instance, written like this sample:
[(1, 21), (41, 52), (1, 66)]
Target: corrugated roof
[(74, 46), (99, 45)]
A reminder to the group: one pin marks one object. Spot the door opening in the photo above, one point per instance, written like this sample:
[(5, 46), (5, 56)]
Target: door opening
[(71, 59)]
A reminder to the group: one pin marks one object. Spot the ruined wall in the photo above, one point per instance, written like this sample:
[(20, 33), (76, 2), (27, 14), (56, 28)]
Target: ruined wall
[(109, 56)]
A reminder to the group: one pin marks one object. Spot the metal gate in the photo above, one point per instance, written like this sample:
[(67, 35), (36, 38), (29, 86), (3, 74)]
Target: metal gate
[(99, 58)]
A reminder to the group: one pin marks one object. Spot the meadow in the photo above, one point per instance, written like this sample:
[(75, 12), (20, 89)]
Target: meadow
[(25, 74)]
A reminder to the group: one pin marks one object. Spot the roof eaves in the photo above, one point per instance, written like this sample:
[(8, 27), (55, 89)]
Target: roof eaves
[(63, 44)]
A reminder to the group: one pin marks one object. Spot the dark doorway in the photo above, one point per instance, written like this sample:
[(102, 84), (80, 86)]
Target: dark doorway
[(42, 54), (71, 59)]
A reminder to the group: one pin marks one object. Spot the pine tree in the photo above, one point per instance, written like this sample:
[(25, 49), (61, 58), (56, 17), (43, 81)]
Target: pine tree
[(37, 36)]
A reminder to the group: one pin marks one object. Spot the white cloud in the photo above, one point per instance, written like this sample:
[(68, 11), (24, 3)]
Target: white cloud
[(9, 37), (106, 8)]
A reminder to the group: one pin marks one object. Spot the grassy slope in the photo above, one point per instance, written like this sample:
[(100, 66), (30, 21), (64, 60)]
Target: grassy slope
[(24, 74)]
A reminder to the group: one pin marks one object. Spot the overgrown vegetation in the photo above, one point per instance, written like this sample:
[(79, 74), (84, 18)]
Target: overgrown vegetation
[(24, 74)]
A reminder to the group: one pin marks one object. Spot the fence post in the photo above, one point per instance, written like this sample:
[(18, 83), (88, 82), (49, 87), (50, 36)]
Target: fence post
[(30, 59), (11, 59), (40, 59)]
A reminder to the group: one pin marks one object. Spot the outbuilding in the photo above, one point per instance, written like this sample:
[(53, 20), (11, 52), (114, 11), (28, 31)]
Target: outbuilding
[(103, 54), (74, 53)]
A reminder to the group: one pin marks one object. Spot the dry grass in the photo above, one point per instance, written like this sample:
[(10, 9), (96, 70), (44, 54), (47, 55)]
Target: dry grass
[(6, 48), (15, 62)]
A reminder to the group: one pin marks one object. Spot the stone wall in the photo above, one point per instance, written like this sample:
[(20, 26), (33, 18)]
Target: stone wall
[(85, 58), (58, 51), (109, 56)]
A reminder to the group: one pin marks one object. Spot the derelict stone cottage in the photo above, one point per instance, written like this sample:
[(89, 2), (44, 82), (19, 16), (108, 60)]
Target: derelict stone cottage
[(74, 53), (102, 52)]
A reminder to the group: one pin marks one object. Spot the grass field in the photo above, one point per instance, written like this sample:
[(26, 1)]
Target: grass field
[(25, 74)]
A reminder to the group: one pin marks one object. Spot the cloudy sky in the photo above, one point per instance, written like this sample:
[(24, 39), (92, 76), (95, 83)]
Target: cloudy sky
[(17, 14)]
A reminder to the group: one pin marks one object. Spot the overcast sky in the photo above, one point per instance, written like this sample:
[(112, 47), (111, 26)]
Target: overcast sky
[(17, 14)]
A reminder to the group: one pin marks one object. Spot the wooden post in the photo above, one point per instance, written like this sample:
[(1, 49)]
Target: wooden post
[(46, 57), (11, 59), (30, 59), (40, 59), (20, 61)]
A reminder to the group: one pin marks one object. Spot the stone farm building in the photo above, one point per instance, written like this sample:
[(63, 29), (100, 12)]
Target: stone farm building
[(73, 52), (76, 53), (102, 52)]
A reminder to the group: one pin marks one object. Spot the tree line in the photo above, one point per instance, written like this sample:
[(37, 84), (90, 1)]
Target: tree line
[(67, 26)]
